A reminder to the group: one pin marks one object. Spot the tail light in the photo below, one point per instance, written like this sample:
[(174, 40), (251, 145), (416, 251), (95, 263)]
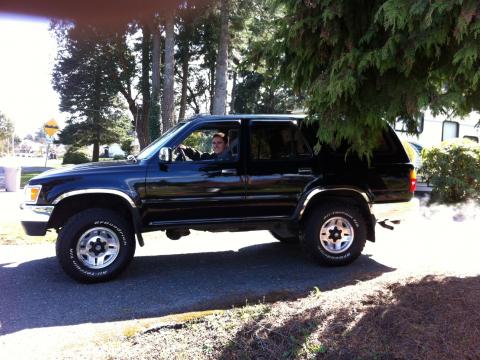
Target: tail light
[(413, 181)]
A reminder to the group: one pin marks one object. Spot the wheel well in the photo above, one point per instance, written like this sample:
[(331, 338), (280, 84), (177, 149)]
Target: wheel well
[(74, 204), (346, 197)]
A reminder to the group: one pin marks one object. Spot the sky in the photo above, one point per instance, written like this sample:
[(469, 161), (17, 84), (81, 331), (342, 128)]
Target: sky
[(27, 56)]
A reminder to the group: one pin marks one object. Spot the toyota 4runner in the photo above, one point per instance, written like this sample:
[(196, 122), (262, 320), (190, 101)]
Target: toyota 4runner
[(269, 179)]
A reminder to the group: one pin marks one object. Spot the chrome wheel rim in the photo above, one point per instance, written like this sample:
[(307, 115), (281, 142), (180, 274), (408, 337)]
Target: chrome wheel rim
[(336, 235), (98, 247)]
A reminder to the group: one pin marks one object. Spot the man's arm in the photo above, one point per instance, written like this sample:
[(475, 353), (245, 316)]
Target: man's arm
[(192, 153)]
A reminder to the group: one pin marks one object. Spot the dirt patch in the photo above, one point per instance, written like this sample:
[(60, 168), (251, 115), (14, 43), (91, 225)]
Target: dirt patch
[(434, 317)]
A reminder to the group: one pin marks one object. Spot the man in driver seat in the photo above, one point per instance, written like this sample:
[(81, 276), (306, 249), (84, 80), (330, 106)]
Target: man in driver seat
[(219, 146)]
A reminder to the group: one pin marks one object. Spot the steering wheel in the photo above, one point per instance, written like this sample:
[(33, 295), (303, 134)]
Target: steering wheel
[(180, 154)]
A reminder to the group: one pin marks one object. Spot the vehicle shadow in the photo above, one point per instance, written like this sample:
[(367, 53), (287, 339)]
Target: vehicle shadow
[(38, 294)]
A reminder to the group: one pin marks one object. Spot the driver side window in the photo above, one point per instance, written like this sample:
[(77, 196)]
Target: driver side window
[(211, 143), (200, 140)]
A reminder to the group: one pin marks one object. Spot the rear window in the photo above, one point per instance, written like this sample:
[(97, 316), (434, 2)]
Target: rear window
[(389, 148)]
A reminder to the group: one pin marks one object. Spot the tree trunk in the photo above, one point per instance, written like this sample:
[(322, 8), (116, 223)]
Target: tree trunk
[(183, 99), (220, 98), (169, 73), (212, 87), (96, 140), (96, 151), (154, 121), (142, 121), (125, 89), (196, 105), (234, 93)]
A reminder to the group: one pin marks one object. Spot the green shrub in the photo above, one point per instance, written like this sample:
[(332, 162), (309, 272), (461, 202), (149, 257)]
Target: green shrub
[(453, 170), (119, 157), (74, 156), (127, 146)]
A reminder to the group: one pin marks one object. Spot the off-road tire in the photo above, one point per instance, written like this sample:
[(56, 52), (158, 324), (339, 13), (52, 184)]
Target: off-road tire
[(324, 217), (69, 238)]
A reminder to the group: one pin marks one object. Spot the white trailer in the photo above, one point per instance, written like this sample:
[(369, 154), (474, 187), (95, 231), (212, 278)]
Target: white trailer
[(435, 129)]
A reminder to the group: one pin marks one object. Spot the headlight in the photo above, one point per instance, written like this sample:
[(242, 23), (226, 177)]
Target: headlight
[(31, 193)]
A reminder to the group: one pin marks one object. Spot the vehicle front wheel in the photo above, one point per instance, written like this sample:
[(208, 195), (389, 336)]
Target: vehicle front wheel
[(334, 234), (95, 245)]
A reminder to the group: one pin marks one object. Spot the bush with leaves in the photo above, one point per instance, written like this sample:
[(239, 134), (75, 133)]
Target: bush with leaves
[(453, 170), (127, 145), (75, 156)]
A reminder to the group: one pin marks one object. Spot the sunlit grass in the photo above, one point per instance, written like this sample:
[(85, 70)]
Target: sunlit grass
[(25, 178), (12, 233)]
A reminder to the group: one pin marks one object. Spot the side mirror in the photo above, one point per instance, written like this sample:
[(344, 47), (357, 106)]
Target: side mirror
[(165, 154)]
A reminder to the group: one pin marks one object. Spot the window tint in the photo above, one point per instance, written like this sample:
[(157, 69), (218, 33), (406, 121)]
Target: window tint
[(384, 144), (277, 141)]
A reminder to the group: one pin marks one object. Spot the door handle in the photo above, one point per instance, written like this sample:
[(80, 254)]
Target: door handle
[(229, 171), (305, 171)]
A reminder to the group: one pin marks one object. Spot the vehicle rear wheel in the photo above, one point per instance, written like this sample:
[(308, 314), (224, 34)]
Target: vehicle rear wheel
[(95, 245), (285, 238), (334, 234)]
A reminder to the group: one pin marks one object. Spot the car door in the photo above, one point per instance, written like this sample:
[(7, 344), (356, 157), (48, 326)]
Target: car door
[(197, 191), (280, 165)]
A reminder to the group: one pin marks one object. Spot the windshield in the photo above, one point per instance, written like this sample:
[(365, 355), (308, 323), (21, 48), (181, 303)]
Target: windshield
[(161, 141)]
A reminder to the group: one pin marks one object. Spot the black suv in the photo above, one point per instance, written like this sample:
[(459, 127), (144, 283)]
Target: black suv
[(265, 176)]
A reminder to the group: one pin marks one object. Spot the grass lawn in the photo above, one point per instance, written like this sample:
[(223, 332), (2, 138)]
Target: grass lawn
[(11, 233), (24, 178)]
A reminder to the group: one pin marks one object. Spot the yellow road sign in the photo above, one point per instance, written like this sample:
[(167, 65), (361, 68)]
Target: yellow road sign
[(50, 127)]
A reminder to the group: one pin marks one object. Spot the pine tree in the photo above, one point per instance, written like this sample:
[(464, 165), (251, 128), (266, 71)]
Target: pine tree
[(361, 64), (81, 78)]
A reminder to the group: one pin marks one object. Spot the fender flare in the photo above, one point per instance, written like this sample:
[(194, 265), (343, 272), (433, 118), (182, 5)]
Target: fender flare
[(319, 191), (137, 224)]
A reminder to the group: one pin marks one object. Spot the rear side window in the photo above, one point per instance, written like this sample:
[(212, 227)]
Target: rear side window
[(277, 141), (389, 148)]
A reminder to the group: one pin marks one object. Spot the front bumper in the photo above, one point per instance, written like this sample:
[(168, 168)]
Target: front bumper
[(394, 211), (34, 218)]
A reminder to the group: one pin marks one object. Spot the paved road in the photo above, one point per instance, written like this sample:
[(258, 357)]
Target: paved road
[(217, 271)]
